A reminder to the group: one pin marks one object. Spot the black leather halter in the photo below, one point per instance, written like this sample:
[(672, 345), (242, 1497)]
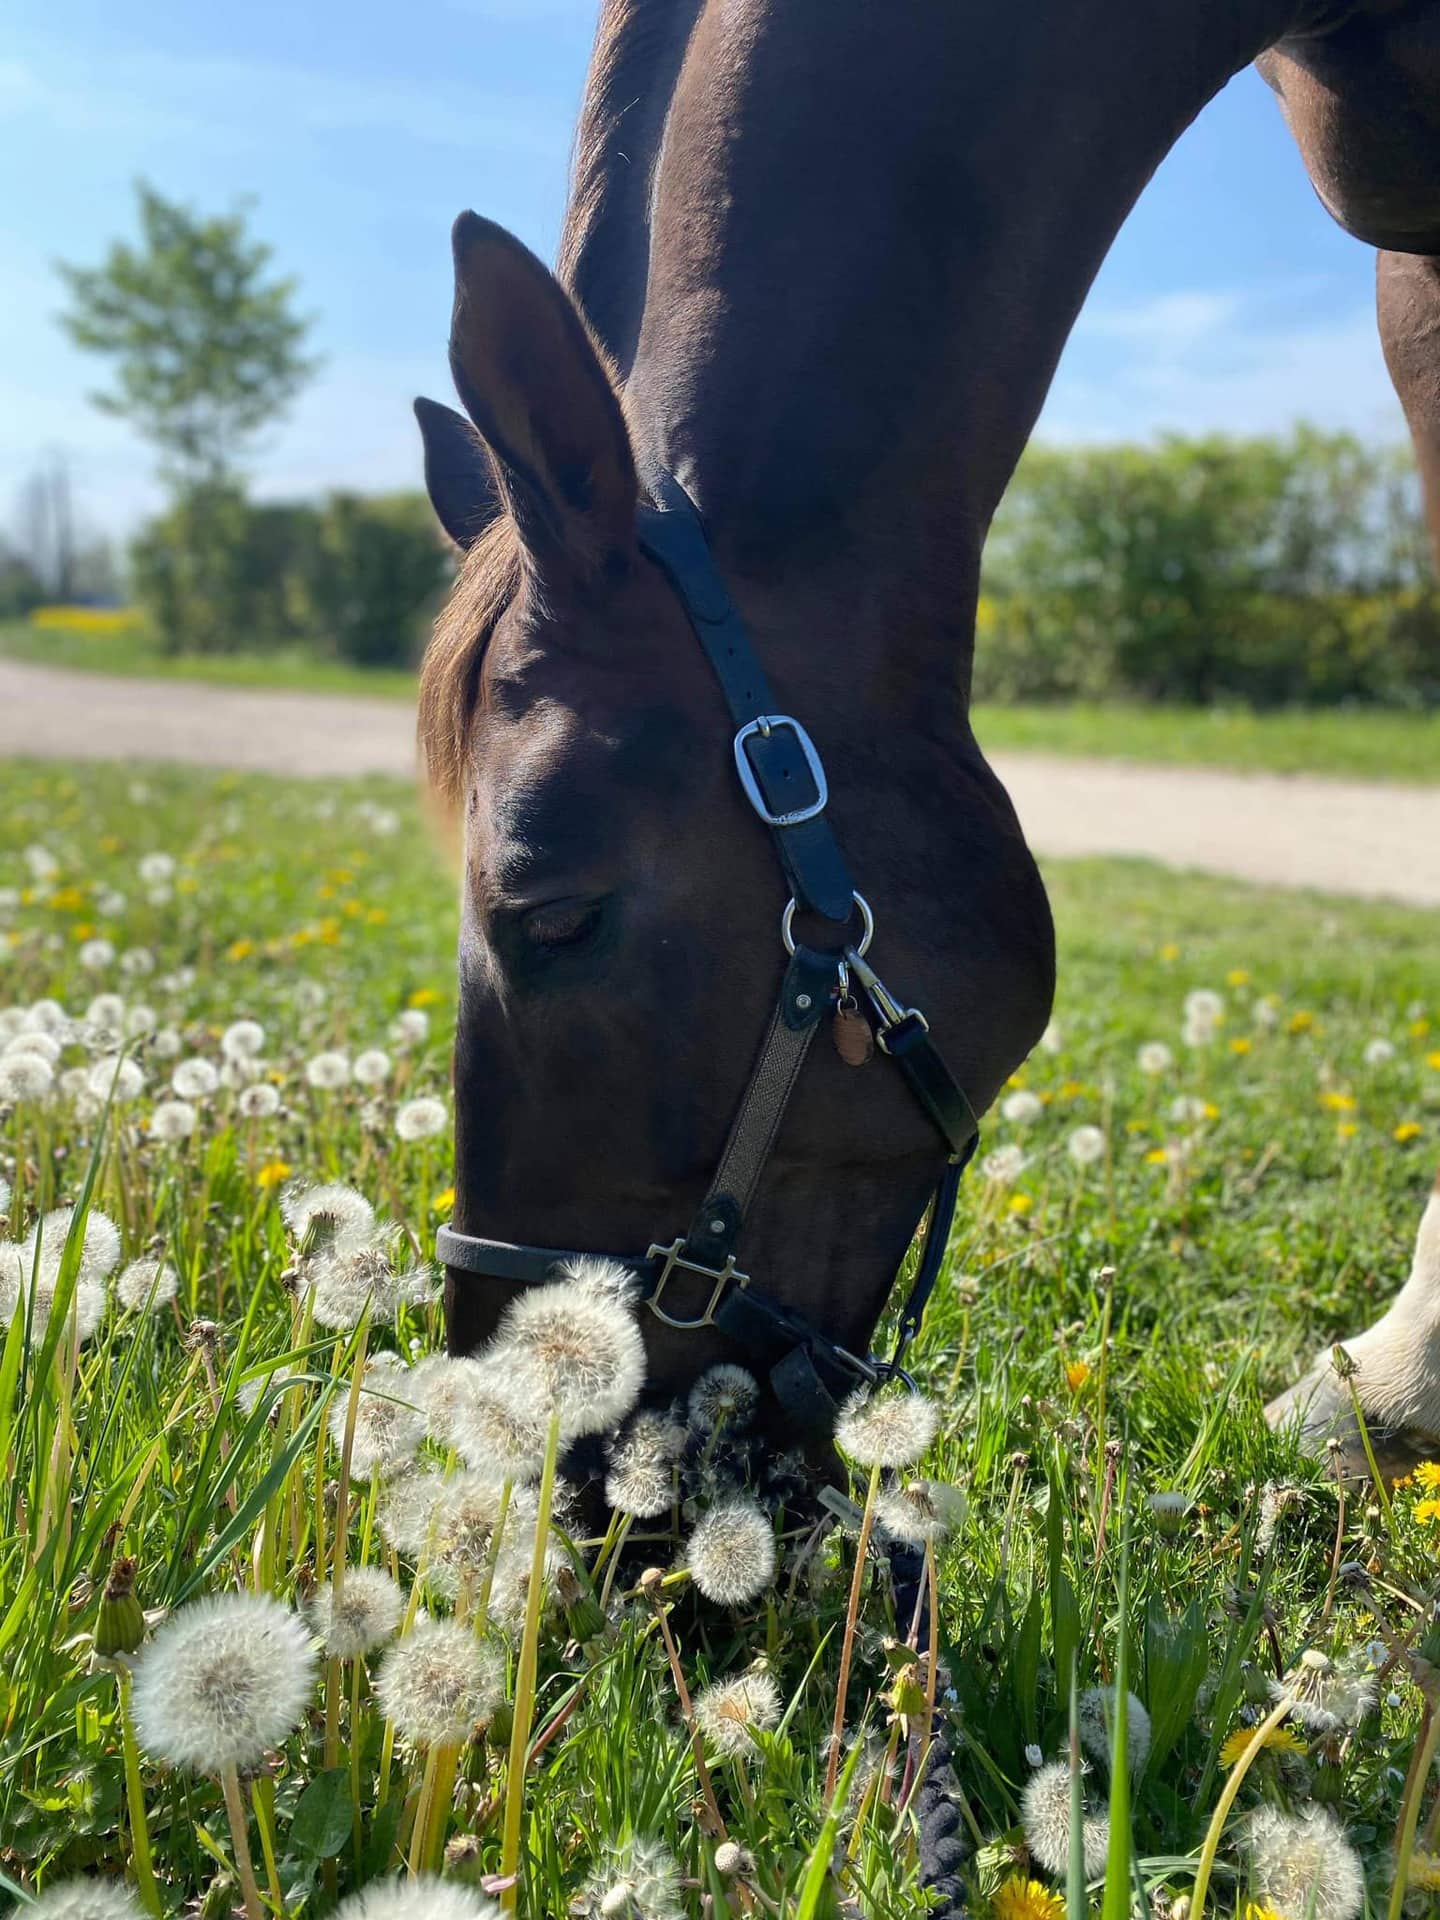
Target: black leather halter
[(784, 781)]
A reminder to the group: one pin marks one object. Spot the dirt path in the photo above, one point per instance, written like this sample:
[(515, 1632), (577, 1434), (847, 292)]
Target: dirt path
[(1341, 835)]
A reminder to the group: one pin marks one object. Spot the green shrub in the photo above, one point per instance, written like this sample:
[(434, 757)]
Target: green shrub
[(371, 575), (1272, 572)]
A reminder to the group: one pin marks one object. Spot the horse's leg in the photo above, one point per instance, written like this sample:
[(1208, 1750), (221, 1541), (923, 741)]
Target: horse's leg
[(1363, 102), (1396, 1377)]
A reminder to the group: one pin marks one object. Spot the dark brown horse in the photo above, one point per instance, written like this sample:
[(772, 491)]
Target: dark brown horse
[(820, 262)]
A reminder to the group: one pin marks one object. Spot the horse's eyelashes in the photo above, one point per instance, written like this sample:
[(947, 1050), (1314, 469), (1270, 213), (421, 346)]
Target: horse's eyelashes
[(562, 923)]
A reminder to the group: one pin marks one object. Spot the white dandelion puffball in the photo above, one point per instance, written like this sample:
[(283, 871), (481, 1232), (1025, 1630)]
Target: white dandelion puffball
[(17, 1271), (1204, 1007), (439, 1683), (462, 1530), (422, 1899), (173, 1120), (407, 1509), (1096, 1711), (1022, 1108), (421, 1119), (1003, 1165), (1155, 1058), (585, 1351), (920, 1511), (99, 1250), (47, 1016), (494, 1413), (1302, 1865), (1052, 1040), (82, 1899), (641, 1480), (138, 961), (260, 1102), (140, 1021), (166, 1043), (42, 863), (1379, 1052), (96, 955), (25, 1079), (144, 1286), (106, 1012), (731, 1554), (1045, 1817), (242, 1040), (328, 1071), (725, 1397), (409, 1028), (1187, 1109), (365, 1614), (731, 1712), (372, 1067), (1325, 1697), (389, 1428), (224, 1680), (343, 1285), (331, 1218), (636, 1880), (195, 1079), (45, 1045), (156, 868), (118, 1079), (1086, 1145), (886, 1429)]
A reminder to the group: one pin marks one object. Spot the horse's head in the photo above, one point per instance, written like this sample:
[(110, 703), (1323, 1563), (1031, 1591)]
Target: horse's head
[(620, 952)]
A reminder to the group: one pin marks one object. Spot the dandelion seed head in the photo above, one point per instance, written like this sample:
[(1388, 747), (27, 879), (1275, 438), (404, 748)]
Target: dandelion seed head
[(407, 1510), (1004, 1165), (514, 1570), (1379, 1052), (116, 1078), (195, 1079), (411, 1027), (1086, 1145), (1302, 1865), (365, 1614), (260, 1102), (1045, 1817), (342, 1285), (1155, 1059), (389, 1428), (372, 1067), (242, 1040), (438, 1683), (96, 955), (637, 1879), (724, 1398), (172, 1121), (421, 1119), (584, 1348), (137, 962), (920, 1511), (328, 1071), (641, 1480), (423, 1899), (224, 1680), (1022, 1108), (99, 1249), (45, 1045), (331, 1218), (731, 1712), (140, 1021), (25, 1078), (1096, 1712), (731, 1553), (463, 1520), (495, 1415), (889, 1428), (146, 1286), (47, 1016), (1325, 1697), (156, 868), (82, 1899), (166, 1043)]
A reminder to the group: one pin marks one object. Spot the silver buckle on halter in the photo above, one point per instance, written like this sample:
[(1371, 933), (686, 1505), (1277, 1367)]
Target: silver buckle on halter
[(888, 1011), (674, 1258), (766, 725)]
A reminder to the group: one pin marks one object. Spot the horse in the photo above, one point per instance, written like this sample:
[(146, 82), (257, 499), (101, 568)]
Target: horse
[(819, 262)]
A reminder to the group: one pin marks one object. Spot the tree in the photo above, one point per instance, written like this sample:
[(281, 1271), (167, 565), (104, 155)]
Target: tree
[(207, 348)]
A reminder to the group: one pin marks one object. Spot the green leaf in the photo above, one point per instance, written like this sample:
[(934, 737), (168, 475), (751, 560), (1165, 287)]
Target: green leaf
[(324, 1815)]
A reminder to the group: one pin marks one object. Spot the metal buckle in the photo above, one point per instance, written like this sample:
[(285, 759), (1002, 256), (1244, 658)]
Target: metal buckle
[(674, 1256), (766, 724), (888, 1010), (867, 926)]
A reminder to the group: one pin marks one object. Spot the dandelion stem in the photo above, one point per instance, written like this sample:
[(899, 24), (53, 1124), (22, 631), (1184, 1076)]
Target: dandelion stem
[(1410, 1811), (240, 1842), (687, 1710), (847, 1644), (262, 1796), (135, 1802), (525, 1671), (1227, 1800)]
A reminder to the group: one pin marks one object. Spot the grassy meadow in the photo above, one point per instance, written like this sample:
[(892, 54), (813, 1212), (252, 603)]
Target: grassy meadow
[(289, 1610)]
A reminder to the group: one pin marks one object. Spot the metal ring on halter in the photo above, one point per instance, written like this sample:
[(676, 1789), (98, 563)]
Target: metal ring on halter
[(867, 924)]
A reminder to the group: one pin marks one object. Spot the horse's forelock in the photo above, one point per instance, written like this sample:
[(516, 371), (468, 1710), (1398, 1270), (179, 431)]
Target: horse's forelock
[(488, 579)]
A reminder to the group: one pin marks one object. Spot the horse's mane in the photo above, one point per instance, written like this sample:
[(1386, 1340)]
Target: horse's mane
[(630, 42)]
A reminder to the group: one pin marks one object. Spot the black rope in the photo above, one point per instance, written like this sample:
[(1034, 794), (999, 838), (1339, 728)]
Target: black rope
[(936, 1799)]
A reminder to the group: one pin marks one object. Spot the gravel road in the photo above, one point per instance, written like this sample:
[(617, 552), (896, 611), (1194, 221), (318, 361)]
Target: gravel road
[(1343, 836)]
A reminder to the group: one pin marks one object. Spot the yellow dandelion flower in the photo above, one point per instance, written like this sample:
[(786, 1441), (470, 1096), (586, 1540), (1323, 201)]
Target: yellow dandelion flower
[(272, 1173), (1240, 1044), (1076, 1374), (423, 997), (1212, 1112), (1427, 1474), (1021, 1899), (1300, 1021), (1338, 1102), (1425, 1871), (1156, 1157), (1419, 1028), (71, 900), (1407, 1130), (376, 916), (1347, 1129), (1020, 1203), (1279, 1739), (240, 950), (110, 843), (443, 1202), (1136, 1126), (352, 909), (1238, 977), (1428, 1512), (83, 930), (1169, 952), (1255, 1910), (325, 893), (1069, 1089), (1432, 1060)]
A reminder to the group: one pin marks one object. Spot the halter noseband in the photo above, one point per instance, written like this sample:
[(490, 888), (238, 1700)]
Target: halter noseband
[(784, 781)]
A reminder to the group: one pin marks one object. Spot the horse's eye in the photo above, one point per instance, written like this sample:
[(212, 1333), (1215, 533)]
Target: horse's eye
[(562, 923)]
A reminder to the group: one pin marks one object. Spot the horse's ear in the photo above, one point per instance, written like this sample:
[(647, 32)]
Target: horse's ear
[(459, 476), (533, 383)]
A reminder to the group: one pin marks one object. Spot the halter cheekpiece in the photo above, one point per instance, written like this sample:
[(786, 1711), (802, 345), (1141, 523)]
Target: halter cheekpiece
[(694, 1280)]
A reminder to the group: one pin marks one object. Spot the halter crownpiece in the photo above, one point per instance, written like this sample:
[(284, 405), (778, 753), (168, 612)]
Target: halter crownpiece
[(694, 1280)]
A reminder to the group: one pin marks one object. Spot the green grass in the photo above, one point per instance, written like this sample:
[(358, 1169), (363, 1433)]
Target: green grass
[(1106, 1334), (1359, 744), (136, 655)]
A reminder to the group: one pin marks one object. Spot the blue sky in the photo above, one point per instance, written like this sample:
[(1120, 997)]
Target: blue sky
[(1228, 302)]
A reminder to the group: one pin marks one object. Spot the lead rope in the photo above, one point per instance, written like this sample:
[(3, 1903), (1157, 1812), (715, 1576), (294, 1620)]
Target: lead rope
[(937, 1796)]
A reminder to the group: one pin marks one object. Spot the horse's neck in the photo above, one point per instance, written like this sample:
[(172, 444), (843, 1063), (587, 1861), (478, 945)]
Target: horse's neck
[(871, 228)]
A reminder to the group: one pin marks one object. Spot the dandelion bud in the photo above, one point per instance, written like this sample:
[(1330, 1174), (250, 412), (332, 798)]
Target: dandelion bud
[(120, 1626), (1345, 1365), (651, 1581)]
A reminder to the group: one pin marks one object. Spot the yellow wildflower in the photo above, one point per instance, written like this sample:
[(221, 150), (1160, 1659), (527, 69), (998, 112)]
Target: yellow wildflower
[(1255, 1910), (1076, 1374), (1281, 1739), (1408, 1130), (110, 843), (376, 916), (1419, 1028), (1338, 1102), (240, 950), (1020, 1203), (71, 900), (1021, 1899), (1425, 1871), (1070, 1088), (1240, 1044), (1300, 1021), (83, 930), (443, 1202), (1169, 952), (1347, 1129), (423, 997), (1428, 1512), (1432, 1060), (1157, 1157), (1428, 1475), (1238, 977), (272, 1173)]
